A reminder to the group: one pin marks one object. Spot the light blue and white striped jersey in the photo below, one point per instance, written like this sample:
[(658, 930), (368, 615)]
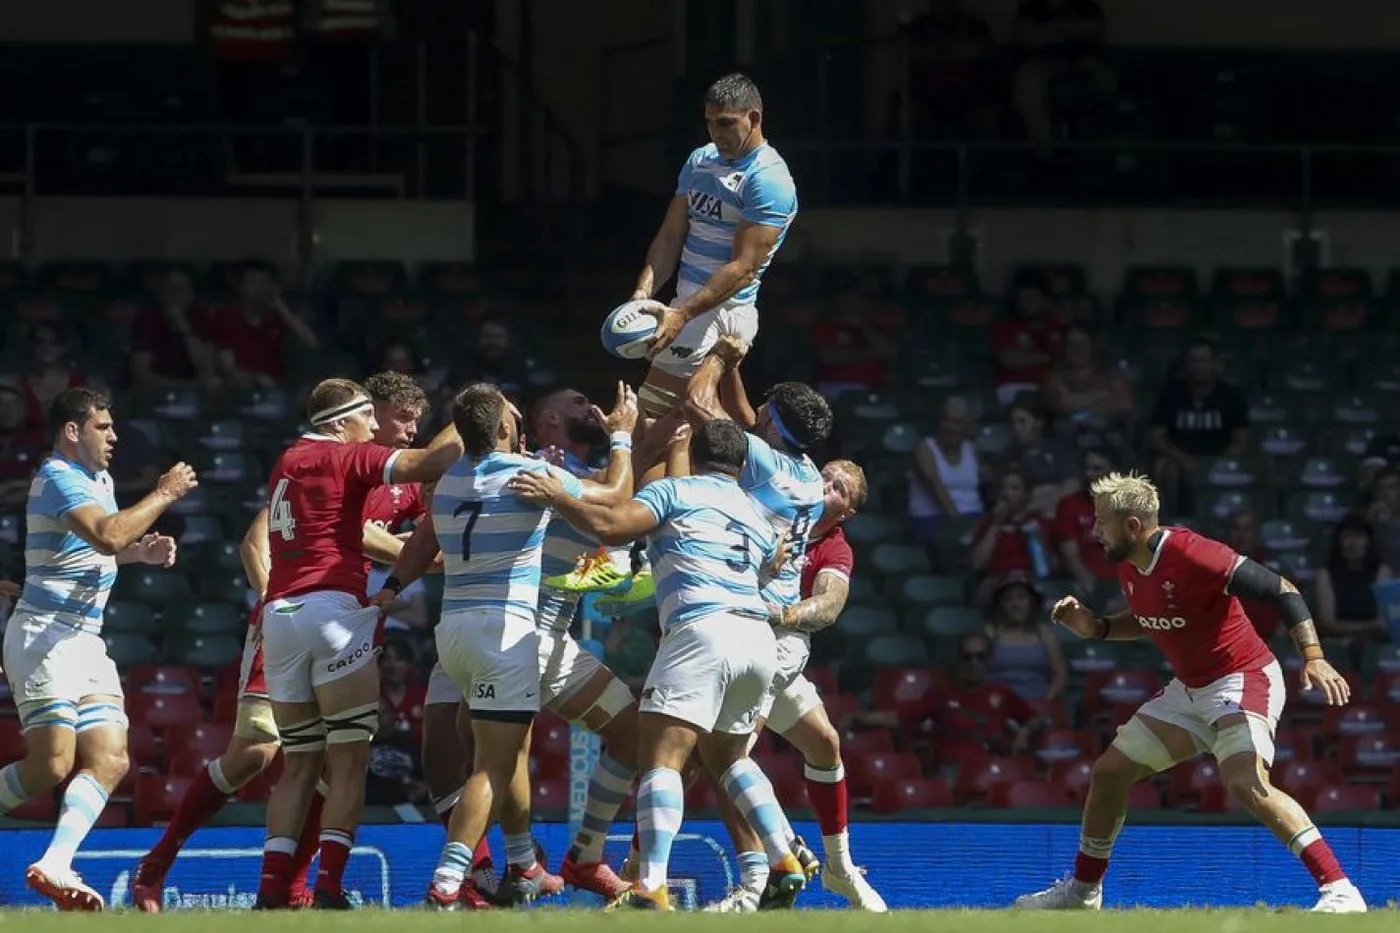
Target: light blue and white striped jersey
[(721, 193), (708, 549), (65, 580), (491, 538), (563, 546), (790, 493)]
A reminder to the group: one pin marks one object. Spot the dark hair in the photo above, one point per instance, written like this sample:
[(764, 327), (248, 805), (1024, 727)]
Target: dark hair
[(734, 92), (719, 447), (803, 412), (397, 389), (398, 646), (476, 411), (966, 637), (76, 405), (1027, 402), (1337, 565), (413, 354)]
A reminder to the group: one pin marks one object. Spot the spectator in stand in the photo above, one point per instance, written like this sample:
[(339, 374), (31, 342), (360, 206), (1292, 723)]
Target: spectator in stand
[(1382, 451), (1197, 414), (496, 359), (1079, 548), (1346, 604), (1024, 343), (1060, 43), (946, 476), (19, 449), (967, 718), (52, 369), (167, 351), (396, 356), (1026, 653), (409, 610), (852, 352), (1012, 538), (1081, 388), (395, 774), (249, 334), (1384, 514), (1051, 465), (406, 697), (952, 75), (1242, 534), (135, 466)]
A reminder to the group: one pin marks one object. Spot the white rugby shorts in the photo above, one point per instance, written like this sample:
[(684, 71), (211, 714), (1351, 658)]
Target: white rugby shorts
[(47, 660), (441, 690), (565, 668), (699, 336), (493, 658), (713, 673), (791, 695), (1259, 694), (315, 639)]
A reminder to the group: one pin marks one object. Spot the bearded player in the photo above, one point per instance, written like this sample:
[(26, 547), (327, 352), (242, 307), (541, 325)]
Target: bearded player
[(1184, 593), (734, 202), (399, 404)]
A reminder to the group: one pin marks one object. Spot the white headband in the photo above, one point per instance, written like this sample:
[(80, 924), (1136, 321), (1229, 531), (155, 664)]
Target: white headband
[(356, 405)]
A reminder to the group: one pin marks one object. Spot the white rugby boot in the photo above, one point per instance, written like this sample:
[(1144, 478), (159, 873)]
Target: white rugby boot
[(741, 900), (1339, 897), (849, 882), (1066, 894)]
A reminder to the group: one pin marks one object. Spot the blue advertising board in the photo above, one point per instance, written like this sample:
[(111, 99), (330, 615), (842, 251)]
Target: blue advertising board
[(914, 865)]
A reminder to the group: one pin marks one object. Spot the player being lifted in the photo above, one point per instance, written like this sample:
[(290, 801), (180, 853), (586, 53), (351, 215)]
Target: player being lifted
[(399, 404), (734, 202), (1184, 593), (319, 643), (64, 683)]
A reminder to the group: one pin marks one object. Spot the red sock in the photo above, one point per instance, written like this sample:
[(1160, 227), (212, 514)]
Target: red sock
[(199, 804), (1321, 863), (481, 855), (276, 872), (1089, 869), (826, 789), (335, 852), (307, 844)]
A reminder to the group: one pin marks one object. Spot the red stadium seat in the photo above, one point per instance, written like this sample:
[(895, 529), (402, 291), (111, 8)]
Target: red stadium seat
[(1294, 745), (1065, 745), (189, 762), (1356, 719), (204, 736), (701, 795), (1190, 780), (1385, 690), (160, 711), (824, 678), (895, 795), (41, 808), (1304, 779), (899, 687), (114, 816), (163, 680), (1051, 711), (157, 797), (550, 738), (225, 708), (1145, 796), (550, 796), (866, 742), (841, 705), (1116, 695), (1370, 756), (1021, 795), (1315, 700), (976, 779), (763, 745), (1361, 797), (862, 773), (785, 774), (1073, 776), (12, 747)]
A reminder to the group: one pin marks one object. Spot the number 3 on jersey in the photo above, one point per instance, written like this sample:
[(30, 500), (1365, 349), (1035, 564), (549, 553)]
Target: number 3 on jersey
[(279, 512)]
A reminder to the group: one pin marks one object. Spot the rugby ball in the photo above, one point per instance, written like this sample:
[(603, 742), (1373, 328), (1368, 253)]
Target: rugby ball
[(628, 329)]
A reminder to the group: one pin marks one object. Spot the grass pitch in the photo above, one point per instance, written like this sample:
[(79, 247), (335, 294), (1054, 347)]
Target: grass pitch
[(800, 921)]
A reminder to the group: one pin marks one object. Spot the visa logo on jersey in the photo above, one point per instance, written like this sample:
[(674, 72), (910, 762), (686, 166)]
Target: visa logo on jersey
[(706, 205), (1161, 623)]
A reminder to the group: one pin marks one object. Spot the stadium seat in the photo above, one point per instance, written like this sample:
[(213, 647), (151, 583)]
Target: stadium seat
[(142, 749), (188, 762), (952, 621), (261, 404), (550, 738), (160, 711), (163, 680), (1357, 719), (1117, 694), (224, 434), (227, 467), (824, 679), (1065, 745), (549, 796), (153, 587), (1284, 535), (1315, 699), (977, 778), (1144, 796), (41, 808), (898, 686), (861, 623), (866, 742), (228, 587), (202, 651), (890, 560), (1385, 690), (929, 590), (1304, 779), (157, 797), (221, 558), (1369, 757), (171, 404), (1087, 657), (898, 794), (862, 773), (871, 529), (1344, 797), (128, 649), (122, 617), (895, 650), (1022, 795), (786, 775), (12, 747), (1294, 745), (1052, 712), (1074, 776), (260, 788), (841, 705), (201, 529), (701, 795), (203, 736), (1189, 780), (1284, 440), (210, 618)]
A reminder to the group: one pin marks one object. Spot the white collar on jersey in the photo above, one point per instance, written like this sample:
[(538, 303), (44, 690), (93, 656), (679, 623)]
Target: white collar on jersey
[(1156, 555)]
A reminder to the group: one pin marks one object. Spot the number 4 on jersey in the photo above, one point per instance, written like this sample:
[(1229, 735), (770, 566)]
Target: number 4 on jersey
[(279, 512)]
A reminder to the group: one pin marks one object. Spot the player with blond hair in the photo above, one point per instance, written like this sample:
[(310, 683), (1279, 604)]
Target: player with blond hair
[(1184, 593)]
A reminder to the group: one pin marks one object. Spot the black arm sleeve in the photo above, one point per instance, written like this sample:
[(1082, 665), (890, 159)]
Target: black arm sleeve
[(1252, 580)]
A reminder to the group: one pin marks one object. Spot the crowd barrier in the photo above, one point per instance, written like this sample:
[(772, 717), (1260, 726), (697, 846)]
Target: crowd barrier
[(914, 865)]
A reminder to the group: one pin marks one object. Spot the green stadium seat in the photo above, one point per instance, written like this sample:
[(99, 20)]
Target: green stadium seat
[(1090, 657), (1350, 441), (170, 404), (261, 404), (863, 589), (150, 429), (1298, 566), (899, 439), (227, 467), (899, 559), (200, 529), (122, 617), (1322, 473), (1233, 473), (1323, 506), (1273, 407), (1356, 410), (858, 623), (130, 649), (871, 529), (224, 434), (229, 587), (896, 651), (992, 438), (1381, 659), (222, 557), (152, 587), (942, 621), (928, 590), (202, 651), (208, 618), (1282, 440), (1220, 504), (1282, 534)]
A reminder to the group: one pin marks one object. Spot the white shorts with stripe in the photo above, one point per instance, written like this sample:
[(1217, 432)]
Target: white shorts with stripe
[(1259, 694)]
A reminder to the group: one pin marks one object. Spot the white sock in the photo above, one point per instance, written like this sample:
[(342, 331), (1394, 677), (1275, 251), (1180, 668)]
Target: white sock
[(837, 848), (83, 803), (12, 792), (753, 870)]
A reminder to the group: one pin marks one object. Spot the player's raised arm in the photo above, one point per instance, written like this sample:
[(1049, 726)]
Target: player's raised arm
[(111, 533), (415, 559), (1252, 580), (256, 554), (614, 484), (609, 524), (664, 253), (428, 464), (702, 394)]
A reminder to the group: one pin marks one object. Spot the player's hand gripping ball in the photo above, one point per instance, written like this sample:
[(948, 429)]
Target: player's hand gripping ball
[(628, 329)]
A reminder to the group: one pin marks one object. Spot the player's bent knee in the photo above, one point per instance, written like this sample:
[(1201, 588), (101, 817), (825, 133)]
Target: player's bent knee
[(1139, 745), (305, 737), (354, 725)]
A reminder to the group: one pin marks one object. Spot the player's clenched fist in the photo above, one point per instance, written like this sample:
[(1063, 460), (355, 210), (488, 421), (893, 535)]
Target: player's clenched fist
[(178, 481), (1075, 616)]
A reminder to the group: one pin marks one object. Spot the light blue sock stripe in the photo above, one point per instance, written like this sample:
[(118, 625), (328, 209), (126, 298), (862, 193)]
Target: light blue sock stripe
[(606, 796), (456, 855), (13, 784), (616, 768), (595, 824)]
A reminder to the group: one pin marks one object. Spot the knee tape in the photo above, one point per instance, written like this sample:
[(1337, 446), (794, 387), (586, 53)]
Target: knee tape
[(614, 699), (100, 713), (1138, 743), (256, 723), (356, 724), (655, 402), (1250, 736), (309, 735), (37, 714)]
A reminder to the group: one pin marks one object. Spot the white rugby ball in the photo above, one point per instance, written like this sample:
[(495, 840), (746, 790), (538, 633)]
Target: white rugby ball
[(628, 329)]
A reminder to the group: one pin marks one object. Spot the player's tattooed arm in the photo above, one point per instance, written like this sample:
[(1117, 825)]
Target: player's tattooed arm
[(818, 611)]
